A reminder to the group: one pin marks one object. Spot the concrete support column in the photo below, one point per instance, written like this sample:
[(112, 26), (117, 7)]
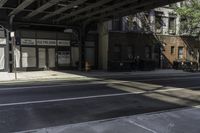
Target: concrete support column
[(103, 45), (83, 35)]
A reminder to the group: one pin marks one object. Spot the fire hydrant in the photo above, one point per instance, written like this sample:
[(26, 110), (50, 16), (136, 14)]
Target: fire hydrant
[(87, 66)]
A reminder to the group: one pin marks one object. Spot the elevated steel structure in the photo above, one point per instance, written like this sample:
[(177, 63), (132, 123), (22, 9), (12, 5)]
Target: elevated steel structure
[(72, 12), (61, 14)]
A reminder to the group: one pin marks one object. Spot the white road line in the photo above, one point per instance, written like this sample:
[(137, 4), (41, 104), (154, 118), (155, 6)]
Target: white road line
[(64, 99), (86, 97), (79, 84)]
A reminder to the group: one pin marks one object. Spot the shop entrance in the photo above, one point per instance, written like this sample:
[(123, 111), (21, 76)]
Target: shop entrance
[(64, 57), (47, 58)]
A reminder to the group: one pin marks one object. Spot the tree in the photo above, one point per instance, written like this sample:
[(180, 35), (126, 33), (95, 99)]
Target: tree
[(190, 17)]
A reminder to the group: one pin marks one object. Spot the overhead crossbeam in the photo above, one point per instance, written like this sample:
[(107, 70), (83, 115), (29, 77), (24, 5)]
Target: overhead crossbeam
[(21, 7), (2, 2), (63, 9), (128, 11), (125, 11), (95, 5), (42, 8), (107, 9)]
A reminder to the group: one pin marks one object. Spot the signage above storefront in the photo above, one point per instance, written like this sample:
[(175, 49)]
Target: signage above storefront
[(28, 42), (46, 42), (63, 43), (2, 41), (41, 42)]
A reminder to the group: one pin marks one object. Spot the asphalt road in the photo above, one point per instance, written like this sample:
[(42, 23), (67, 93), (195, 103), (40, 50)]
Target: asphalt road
[(29, 106)]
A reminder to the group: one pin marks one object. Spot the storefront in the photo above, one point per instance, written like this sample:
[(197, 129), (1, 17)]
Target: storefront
[(2, 53), (39, 50), (43, 54)]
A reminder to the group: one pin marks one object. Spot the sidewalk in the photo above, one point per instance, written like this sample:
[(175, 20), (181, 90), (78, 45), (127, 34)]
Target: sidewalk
[(176, 121), (77, 75)]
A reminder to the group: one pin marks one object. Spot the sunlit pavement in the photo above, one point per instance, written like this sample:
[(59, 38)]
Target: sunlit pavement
[(118, 104), (178, 121)]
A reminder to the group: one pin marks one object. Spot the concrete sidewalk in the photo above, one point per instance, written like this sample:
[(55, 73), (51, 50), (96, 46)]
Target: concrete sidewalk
[(77, 75), (177, 121)]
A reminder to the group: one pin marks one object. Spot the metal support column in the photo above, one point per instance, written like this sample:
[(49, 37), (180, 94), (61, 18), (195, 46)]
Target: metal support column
[(10, 47), (7, 51), (83, 36)]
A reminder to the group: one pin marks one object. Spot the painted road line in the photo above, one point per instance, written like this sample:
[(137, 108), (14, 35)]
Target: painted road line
[(64, 99), (86, 97)]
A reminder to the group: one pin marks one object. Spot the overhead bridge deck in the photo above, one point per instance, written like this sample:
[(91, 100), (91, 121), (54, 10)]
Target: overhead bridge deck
[(59, 15), (72, 12)]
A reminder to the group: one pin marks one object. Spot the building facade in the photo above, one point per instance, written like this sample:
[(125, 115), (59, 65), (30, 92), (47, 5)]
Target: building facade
[(152, 36), (46, 50)]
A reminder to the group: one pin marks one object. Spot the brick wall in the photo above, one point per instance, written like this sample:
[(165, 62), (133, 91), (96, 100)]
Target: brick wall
[(189, 44), (135, 40), (138, 42)]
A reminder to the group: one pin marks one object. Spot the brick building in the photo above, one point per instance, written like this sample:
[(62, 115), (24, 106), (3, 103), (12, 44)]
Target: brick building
[(151, 36)]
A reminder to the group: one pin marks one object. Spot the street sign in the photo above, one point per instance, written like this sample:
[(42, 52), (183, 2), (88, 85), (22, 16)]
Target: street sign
[(12, 34)]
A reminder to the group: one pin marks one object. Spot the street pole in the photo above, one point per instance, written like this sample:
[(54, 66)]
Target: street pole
[(12, 34)]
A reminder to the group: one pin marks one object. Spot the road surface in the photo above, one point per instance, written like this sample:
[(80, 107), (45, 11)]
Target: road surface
[(30, 106)]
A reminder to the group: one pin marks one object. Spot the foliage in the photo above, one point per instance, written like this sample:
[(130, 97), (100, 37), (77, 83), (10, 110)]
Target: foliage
[(190, 17)]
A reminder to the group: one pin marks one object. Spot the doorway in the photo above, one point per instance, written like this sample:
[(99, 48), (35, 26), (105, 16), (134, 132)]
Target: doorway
[(47, 58)]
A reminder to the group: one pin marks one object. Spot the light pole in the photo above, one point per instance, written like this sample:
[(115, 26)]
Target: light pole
[(12, 35)]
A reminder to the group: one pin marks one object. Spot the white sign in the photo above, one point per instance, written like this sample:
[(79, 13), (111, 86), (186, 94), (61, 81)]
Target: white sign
[(12, 34), (63, 58), (2, 41), (46, 42), (63, 43), (28, 42)]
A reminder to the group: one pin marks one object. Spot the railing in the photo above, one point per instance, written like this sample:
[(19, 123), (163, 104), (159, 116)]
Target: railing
[(146, 24)]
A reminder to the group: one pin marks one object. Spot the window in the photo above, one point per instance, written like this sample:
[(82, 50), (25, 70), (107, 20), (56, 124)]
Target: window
[(180, 52), (172, 25), (116, 24), (117, 52), (172, 49), (159, 22)]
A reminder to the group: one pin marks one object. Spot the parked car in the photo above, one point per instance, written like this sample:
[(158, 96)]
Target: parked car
[(190, 66), (178, 64)]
